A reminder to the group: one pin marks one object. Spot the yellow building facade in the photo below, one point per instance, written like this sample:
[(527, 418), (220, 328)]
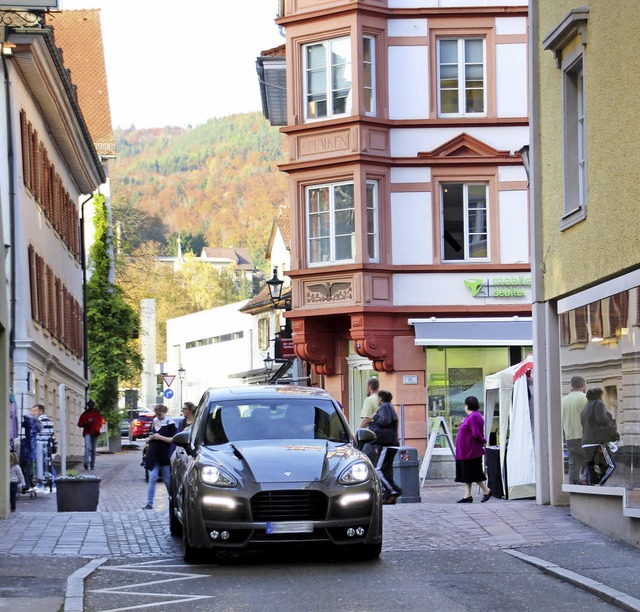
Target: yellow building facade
[(585, 75)]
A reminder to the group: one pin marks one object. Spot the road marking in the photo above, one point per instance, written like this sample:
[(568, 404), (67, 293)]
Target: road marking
[(150, 567)]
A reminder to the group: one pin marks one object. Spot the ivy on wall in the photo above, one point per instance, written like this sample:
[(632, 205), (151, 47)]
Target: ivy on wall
[(111, 324)]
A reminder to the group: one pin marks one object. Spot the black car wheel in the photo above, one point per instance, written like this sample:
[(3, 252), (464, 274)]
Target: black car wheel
[(190, 554), (175, 526)]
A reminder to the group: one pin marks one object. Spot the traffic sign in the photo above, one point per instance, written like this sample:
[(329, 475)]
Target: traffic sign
[(168, 393), (168, 379)]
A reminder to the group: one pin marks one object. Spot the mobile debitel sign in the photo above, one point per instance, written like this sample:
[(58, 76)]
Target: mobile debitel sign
[(35, 5), (508, 286)]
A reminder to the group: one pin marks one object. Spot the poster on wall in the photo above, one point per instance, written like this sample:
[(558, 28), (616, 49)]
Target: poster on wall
[(462, 383)]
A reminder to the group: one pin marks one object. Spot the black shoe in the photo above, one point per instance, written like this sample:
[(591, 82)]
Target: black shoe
[(148, 507), (486, 497), (86, 466), (465, 500)]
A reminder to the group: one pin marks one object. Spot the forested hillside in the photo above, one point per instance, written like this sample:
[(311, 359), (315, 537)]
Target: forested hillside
[(215, 184)]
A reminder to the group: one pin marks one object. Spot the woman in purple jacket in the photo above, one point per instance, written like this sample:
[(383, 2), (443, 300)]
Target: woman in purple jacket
[(470, 444)]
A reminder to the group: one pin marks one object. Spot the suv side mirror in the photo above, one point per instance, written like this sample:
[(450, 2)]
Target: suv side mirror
[(364, 435), (182, 440)]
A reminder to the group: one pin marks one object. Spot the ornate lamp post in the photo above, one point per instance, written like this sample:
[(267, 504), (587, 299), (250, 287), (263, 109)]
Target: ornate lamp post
[(181, 374)]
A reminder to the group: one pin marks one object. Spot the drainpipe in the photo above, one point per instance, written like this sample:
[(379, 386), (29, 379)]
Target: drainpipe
[(84, 298), (12, 198)]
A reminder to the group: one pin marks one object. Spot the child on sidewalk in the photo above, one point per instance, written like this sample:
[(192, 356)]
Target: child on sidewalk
[(16, 480)]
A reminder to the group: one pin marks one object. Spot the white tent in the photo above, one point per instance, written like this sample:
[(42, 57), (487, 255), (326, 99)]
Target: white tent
[(510, 388)]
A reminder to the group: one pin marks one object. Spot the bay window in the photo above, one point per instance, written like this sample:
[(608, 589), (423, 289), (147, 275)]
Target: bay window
[(327, 82), (464, 214), (331, 223)]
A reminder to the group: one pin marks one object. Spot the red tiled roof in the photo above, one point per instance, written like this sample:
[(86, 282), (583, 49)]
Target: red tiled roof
[(275, 52), (79, 35), (284, 223)]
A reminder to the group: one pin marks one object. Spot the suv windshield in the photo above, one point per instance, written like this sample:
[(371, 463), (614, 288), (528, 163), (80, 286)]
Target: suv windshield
[(274, 420)]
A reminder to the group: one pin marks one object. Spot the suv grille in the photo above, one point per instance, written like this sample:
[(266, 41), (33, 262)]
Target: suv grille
[(289, 506)]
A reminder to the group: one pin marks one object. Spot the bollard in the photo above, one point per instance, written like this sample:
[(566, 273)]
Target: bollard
[(406, 469)]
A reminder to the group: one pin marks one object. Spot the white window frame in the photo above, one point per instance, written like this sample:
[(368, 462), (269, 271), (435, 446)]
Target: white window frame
[(465, 216), (372, 41), (328, 80), (374, 208), (332, 229), (574, 133), (461, 77)]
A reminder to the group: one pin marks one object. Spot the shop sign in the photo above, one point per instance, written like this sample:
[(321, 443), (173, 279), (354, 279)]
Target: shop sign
[(499, 287), (284, 348)]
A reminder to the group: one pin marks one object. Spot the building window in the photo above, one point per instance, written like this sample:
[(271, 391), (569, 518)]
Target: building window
[(331, 223), (263, 333), (465, 234), (372, 221), (461, 76), (327, 82), (575, 148), (369, 75)]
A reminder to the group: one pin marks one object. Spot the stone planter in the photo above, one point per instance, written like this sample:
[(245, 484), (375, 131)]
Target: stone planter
[(79, 494)]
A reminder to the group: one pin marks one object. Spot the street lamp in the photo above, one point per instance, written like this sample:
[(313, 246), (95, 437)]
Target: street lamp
[(275, 286), (181, 374), (268, 363)]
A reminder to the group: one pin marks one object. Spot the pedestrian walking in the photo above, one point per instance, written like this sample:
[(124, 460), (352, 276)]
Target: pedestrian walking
[(572, 405), (384, 423), (189, 412), (16, 480), (599, 435), (370, 404), (91, 422), (47, 447), (158, 457), (470, 443)]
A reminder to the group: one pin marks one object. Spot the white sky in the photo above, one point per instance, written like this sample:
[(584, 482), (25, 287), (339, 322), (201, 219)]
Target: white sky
[(180, 63)]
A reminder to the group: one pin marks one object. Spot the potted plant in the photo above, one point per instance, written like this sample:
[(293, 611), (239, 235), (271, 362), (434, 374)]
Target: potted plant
[(77, 492)]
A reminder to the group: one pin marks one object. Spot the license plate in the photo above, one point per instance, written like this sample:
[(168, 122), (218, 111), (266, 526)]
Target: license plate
[(290, 527)]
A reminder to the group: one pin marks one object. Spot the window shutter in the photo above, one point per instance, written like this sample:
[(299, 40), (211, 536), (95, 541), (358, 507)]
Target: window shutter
[(33, 283), (581, 324), (595, 319)]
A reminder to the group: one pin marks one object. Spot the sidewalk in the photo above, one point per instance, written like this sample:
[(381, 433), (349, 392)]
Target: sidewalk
[(45, 554)]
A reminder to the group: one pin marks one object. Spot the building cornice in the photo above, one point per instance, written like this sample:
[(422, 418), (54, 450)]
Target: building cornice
[(39, 63)]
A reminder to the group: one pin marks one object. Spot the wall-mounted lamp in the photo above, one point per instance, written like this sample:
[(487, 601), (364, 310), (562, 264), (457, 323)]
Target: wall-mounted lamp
[(524, 153), (275, 286)]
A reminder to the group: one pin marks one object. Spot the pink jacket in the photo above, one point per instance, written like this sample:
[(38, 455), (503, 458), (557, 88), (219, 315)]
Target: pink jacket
[(470, 440)]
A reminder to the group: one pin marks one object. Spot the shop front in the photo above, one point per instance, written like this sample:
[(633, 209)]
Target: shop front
[(460, 353)]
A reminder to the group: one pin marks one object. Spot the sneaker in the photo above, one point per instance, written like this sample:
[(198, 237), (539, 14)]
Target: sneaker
[(86, 466), (148, 507), (93, 467)]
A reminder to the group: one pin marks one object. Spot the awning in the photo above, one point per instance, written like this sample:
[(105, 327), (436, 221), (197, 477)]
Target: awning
[(507, 331)]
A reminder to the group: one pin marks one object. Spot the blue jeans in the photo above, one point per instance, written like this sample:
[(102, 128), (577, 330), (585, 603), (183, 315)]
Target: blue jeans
[(90, 444), (153, 479)]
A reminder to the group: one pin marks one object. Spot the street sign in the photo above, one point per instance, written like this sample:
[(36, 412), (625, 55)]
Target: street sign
[(168, 393), (168, 379)]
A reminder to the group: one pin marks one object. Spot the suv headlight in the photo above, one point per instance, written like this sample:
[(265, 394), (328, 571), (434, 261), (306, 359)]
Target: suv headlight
[(213, 476), (355, 474)]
